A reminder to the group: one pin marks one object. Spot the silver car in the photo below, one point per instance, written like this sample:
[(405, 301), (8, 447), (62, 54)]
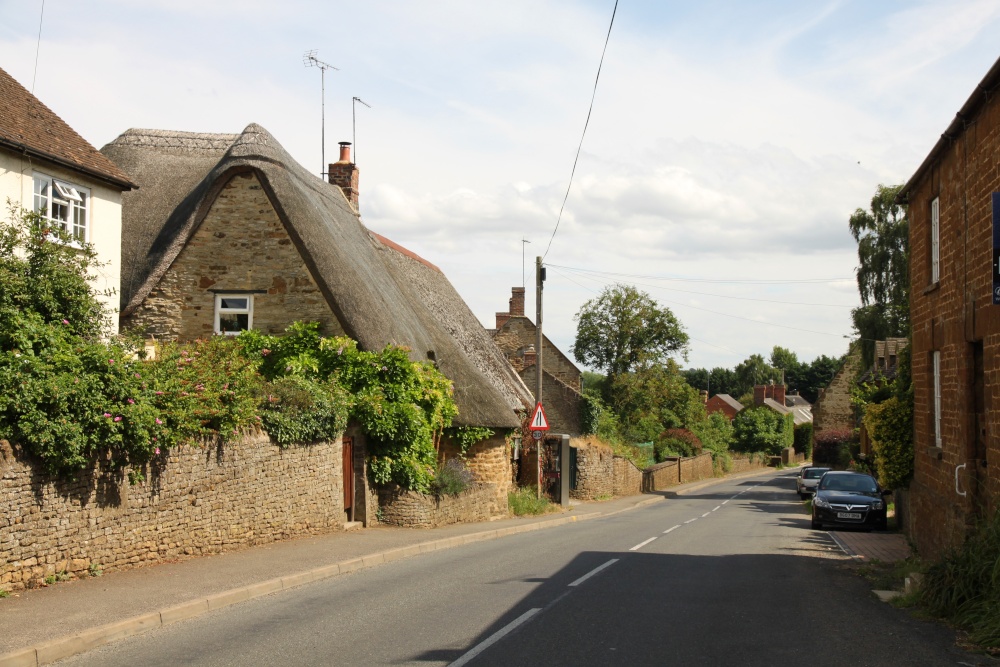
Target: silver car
[(807, 480)]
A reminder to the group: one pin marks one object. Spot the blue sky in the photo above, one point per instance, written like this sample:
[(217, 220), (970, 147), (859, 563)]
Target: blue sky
[(730, 141)]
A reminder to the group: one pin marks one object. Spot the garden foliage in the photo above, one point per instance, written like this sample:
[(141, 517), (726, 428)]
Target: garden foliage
[(762, 430)]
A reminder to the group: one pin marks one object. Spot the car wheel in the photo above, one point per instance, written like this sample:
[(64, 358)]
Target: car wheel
[(882, 525), (803, 496), (816, 525)]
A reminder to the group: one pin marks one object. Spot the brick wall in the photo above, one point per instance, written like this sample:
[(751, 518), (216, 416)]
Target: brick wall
[(204, 500), (415, 510), (240, 246), (628, 478), (595, 470), (744, 463), (832, 410), (955, 316)]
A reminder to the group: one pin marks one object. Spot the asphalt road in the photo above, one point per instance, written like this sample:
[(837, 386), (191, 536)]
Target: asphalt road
[(728, 576)]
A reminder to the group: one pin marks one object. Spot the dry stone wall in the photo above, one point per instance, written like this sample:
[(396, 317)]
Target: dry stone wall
[(410, 509), (595, 470), (203, 500), (628, 478)]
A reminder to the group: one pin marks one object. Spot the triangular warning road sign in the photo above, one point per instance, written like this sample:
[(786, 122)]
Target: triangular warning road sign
[(538, 420)]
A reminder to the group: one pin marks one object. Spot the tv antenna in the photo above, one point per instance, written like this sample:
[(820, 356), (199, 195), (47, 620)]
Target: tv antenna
[(309, 59), (354, 124)]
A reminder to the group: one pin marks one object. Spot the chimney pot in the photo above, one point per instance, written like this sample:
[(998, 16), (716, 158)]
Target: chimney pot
[(345, 152)]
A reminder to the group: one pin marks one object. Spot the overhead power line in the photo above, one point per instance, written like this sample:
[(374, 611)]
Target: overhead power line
[(736, 281), (590, 110)]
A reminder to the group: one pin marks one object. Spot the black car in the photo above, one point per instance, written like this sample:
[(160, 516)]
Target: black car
[(849, 499)]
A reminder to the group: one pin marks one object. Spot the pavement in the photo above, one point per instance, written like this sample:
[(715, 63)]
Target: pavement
[(41, 626)]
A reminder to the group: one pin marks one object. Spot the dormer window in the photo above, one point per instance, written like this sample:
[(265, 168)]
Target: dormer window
[(65, 205)]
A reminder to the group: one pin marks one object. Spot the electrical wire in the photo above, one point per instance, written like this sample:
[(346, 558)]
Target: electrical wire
[(735, 281), (584, 134), (38, 47)]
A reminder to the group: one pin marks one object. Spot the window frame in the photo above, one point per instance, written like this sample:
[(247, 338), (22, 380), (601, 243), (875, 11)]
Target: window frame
[(221, 310), (76, 198), (936, 240), (936, 389)]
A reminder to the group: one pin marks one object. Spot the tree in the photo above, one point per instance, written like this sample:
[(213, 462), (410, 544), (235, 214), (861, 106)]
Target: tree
[(624, 329), (762, 430), (883, 271), (654, 399), (753, 371), (717, 381)]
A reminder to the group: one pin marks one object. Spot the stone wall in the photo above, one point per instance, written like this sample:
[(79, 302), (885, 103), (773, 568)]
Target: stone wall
[(676, 471), (595, 470), (490, 463), (745, 463), (628, 478), (832, 410), (415, 510), (241, 246), (202, 500), (562, 403)]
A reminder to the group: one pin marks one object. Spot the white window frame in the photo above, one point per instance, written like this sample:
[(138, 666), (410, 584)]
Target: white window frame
[(936, 240), (49, 192), (936, 370), (222, 309)]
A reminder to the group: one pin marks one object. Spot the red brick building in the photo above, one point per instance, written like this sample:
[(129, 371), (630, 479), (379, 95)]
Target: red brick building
[(725, 404), (956, 328)]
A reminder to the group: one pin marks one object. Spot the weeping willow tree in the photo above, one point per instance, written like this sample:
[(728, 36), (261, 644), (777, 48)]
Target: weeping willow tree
[(883, 274)]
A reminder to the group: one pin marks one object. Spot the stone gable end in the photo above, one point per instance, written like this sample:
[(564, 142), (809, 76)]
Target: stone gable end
[(240, 246)]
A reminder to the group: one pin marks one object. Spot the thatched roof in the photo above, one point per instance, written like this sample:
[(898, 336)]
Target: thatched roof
[(380, 293), (29, 127)]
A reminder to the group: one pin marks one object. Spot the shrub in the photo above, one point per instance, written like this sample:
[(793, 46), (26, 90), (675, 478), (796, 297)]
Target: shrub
[(964, 588), (803, 439), (832, 447), (762, 430), (452, 478), (676, 442), (890, 426), (297, 409), (525, 501)]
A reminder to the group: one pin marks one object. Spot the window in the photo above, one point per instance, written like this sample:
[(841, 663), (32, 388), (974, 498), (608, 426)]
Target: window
[(233, 313), (936, 361), (65, 205), (936, 239)]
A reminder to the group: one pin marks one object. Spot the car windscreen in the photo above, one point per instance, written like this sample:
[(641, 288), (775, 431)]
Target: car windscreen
[(856, 483), (815, 473)]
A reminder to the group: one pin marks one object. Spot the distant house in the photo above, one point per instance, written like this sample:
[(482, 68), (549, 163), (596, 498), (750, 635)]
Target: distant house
[(516, 336), (773, 396), (228, 232), (953, 208), (725, 404), (45, 166)]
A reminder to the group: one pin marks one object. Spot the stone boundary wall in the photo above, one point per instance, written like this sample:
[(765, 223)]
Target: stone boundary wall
[(676, 471), (203, 500), (410, 509), (628, 478), (744, 463), (595, 470), (489, 462)]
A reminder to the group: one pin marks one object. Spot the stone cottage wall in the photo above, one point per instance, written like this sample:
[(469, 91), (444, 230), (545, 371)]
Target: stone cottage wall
[(562, 403), (832, 410), (489, 462), (204, 500), (241, 246), (518, 333)]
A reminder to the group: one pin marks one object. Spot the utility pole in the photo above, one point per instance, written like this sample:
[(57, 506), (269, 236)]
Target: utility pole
[(539, 279)]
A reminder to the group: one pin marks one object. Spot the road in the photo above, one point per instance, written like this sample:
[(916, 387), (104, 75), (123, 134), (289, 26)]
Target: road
[(730, 575)]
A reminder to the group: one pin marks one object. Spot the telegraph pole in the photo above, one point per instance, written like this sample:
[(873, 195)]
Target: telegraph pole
[(539, 279)]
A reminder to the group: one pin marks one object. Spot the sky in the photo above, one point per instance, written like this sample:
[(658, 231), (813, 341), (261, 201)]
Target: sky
[(728, 145)]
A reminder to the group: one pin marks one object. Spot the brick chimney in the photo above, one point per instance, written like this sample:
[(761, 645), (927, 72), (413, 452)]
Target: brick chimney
[(779, 394), (759, 394), (517, 302), (344, 174), (502, 319), (530, 356)]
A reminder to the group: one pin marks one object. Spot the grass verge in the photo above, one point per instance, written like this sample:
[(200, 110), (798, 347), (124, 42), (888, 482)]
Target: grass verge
[(524, 502)]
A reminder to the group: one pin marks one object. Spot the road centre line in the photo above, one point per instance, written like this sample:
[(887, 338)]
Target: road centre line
[(594, 571), (499, 634), (717, 507), (705, 514), (725, 501), (690, 520), (670, 530), (642, 544)]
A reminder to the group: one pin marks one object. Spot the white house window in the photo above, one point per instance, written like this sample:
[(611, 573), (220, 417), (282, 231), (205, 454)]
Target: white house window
[(936, 239), (233, 313), (65, 205), (936, 360)]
